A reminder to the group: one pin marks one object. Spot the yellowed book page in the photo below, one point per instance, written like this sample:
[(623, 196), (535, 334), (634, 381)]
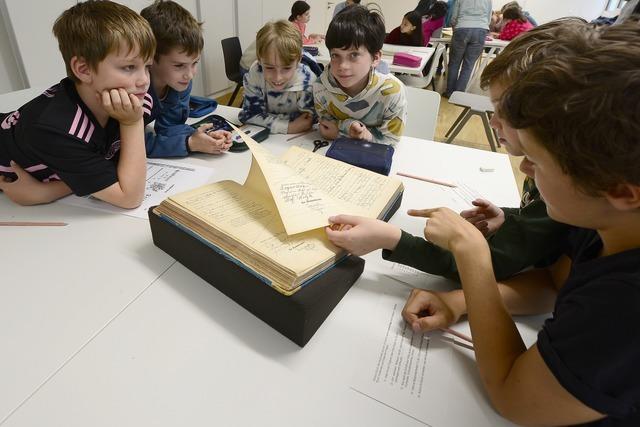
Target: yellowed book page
[(254, 221), (301, 204), (358, 191)]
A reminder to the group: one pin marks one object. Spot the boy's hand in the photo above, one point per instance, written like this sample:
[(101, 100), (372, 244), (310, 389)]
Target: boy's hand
[(125, 108), (214, 142), (448, 230), (360, 235), (26, 190), (487, 217), (301, 123), (427, 310), (359, 131), (328, 129)]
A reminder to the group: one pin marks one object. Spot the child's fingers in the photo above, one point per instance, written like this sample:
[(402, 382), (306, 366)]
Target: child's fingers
[(345, 219), (116, 102), (424, 213), (204, 127)]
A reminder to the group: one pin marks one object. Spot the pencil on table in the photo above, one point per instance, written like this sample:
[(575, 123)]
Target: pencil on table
[(31, 224), (421, 178), (457, 334)]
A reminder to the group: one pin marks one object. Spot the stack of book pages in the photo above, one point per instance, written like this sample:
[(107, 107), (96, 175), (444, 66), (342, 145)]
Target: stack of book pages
[(273, 225)]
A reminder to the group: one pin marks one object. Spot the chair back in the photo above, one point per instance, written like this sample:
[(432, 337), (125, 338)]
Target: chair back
[(422, 113), (232, 53)]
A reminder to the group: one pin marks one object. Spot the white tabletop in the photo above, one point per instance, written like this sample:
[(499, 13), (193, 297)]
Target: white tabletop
[(387, 56), (101, 328)]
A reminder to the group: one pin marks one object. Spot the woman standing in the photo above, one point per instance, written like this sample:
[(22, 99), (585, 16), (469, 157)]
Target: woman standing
[(470, 21)]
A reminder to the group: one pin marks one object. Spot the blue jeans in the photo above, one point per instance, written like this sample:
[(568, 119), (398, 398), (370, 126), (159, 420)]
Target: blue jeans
[(466, 47)]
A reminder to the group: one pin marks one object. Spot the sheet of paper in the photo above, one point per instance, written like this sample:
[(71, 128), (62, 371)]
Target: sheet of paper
[(164, 178), (409, 372), (301, 204)]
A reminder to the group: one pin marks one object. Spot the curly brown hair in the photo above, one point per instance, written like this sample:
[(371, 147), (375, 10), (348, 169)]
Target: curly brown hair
[(582, 103)]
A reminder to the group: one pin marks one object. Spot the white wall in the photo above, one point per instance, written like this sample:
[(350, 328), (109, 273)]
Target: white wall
[(548, 10), (37, 48), (10, 75)]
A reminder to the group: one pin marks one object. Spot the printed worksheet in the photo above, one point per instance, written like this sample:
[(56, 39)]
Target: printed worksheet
[(409, 372), (164, 178)]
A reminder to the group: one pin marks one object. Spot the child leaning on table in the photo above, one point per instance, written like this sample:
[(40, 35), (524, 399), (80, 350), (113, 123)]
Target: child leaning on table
[(278, 89), (86, 134), (180, 43), (577, 117), (517, 237), (351, 97)]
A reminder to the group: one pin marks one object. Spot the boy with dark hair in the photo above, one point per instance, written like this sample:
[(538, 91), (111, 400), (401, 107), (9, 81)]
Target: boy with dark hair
[(86, 134), (180, 43), (578, 122), (351, 97), (518, 237)]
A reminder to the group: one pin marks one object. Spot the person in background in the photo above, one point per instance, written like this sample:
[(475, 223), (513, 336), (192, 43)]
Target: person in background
[(470, 21), (409, 33), (496, 24), (300, 16), (424, 6), (179, 46), (433, 21), (526, 14), (343, 5), (278, 91), (352, 98), (515, 23)]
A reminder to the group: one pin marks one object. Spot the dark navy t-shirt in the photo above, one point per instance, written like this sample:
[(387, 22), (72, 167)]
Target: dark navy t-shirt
[(56, 137), (592, 342)]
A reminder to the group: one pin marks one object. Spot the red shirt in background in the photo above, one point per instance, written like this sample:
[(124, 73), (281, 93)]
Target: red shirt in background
[(429, 26), (513, 28)]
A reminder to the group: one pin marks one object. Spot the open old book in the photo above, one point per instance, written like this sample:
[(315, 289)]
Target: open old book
[(273, 225)]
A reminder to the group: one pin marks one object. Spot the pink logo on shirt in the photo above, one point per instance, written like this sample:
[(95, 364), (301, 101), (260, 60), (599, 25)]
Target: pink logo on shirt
[(10, 120)]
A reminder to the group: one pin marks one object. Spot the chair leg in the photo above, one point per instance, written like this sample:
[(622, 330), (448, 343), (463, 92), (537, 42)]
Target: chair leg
[(495, 133), (463, 122), (457, 121), (487, 129), (235, 92)]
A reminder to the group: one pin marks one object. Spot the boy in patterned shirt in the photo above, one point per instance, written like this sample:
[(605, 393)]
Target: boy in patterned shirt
[(278, 91), (352, 98)]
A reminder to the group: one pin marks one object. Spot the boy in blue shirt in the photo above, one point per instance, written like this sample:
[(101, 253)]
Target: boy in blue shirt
[(86, 134), (577, 119), (180, 43)]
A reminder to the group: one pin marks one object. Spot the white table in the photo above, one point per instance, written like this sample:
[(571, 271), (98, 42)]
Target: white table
[(387, 56), (101, 328), (494, 45)]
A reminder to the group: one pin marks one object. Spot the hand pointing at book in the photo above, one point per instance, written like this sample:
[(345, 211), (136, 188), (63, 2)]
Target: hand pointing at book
[(360, 235)]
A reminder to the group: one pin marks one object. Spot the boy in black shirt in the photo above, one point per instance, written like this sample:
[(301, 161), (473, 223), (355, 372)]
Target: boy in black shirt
[(86, 134), (577, 116)]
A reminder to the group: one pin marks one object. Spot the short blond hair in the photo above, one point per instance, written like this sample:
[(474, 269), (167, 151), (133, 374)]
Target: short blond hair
[(283, 37), (95, 28)]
